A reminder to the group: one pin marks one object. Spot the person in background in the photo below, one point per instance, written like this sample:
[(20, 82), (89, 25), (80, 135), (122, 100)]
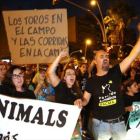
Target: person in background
[(13, 84), (132, 73), (40, 86), (52, 92), (2, 72), (29, 74), (81, 80), (59, 70), (136, 64), (105, 87), (130, 95), (23, 68), (65, 92)]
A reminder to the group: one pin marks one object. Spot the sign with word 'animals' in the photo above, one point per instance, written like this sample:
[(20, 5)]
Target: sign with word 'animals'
[(27, 119), (36, 36)]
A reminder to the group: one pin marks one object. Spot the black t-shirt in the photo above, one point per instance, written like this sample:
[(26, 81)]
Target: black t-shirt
[(26, 94), (128, 100), (64, 94), (137, 78), (106, 91), (82, 82)]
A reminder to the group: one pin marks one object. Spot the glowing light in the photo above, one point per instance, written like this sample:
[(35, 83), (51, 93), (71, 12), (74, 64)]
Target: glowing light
[(93, 2), (88, 41)]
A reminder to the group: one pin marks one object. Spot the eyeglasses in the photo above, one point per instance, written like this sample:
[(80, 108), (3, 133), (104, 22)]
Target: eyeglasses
[(15, 76)]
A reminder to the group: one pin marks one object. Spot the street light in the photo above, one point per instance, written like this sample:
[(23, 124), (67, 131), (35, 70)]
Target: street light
[(88, 42), (54, 2), (76, 52), (87, 10), (94, 2)]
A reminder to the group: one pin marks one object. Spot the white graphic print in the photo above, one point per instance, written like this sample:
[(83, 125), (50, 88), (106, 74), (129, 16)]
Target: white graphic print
[(103, 87), (109, 99)]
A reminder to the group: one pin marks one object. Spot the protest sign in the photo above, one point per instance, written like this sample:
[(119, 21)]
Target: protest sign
[(36, 36), (26, 119), (134, 122)]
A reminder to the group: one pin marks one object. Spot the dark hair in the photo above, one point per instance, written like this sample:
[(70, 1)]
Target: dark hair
[(8, 80), (95, 52), (75, 88), (86, 73), (2, 64), (69, 67), (129, 71), (126, 84)]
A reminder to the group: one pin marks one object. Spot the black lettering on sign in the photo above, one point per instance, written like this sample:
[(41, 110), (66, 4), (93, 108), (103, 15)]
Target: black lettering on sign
[(62, 118), (38, 116), (46, 41), (32, 40), (51, 52), (15, 40), (41, 30), (31, 52), (7, 137), (22, 54), (15, 21), (19, 30), (46, 18), (57, 18), (27, 41), (11, 115), (49, 118), (3, 108), (36, 19), (3, 137), (23, 113), (14, 136), (37, 53)]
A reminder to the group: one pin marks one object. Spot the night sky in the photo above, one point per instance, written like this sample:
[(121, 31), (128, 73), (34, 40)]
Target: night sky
[(71, 9)]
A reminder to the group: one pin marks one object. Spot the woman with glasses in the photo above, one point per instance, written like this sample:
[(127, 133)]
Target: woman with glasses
[(13, 84), (65, 92)]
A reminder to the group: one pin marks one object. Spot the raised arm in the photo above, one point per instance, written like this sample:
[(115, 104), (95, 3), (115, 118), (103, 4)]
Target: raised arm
[(54, 79), (131, 57), (91, 66)]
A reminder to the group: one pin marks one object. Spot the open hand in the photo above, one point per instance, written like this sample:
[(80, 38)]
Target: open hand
[(129, 108), (63, 54)]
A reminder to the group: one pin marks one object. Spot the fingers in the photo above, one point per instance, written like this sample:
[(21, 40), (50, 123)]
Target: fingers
[(63, 54), (78, 103), (94, 52), (131, 109)]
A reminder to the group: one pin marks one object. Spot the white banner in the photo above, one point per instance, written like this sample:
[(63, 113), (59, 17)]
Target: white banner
[(25, 119)]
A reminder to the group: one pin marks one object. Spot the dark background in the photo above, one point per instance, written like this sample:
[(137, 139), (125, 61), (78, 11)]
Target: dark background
[(71, 9)]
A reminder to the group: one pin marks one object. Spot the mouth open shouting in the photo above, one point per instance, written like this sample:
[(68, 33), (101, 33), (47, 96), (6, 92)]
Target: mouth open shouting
[(105, 65)]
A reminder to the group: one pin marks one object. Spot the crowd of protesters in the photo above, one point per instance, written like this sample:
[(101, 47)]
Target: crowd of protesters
[(89, 86)]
